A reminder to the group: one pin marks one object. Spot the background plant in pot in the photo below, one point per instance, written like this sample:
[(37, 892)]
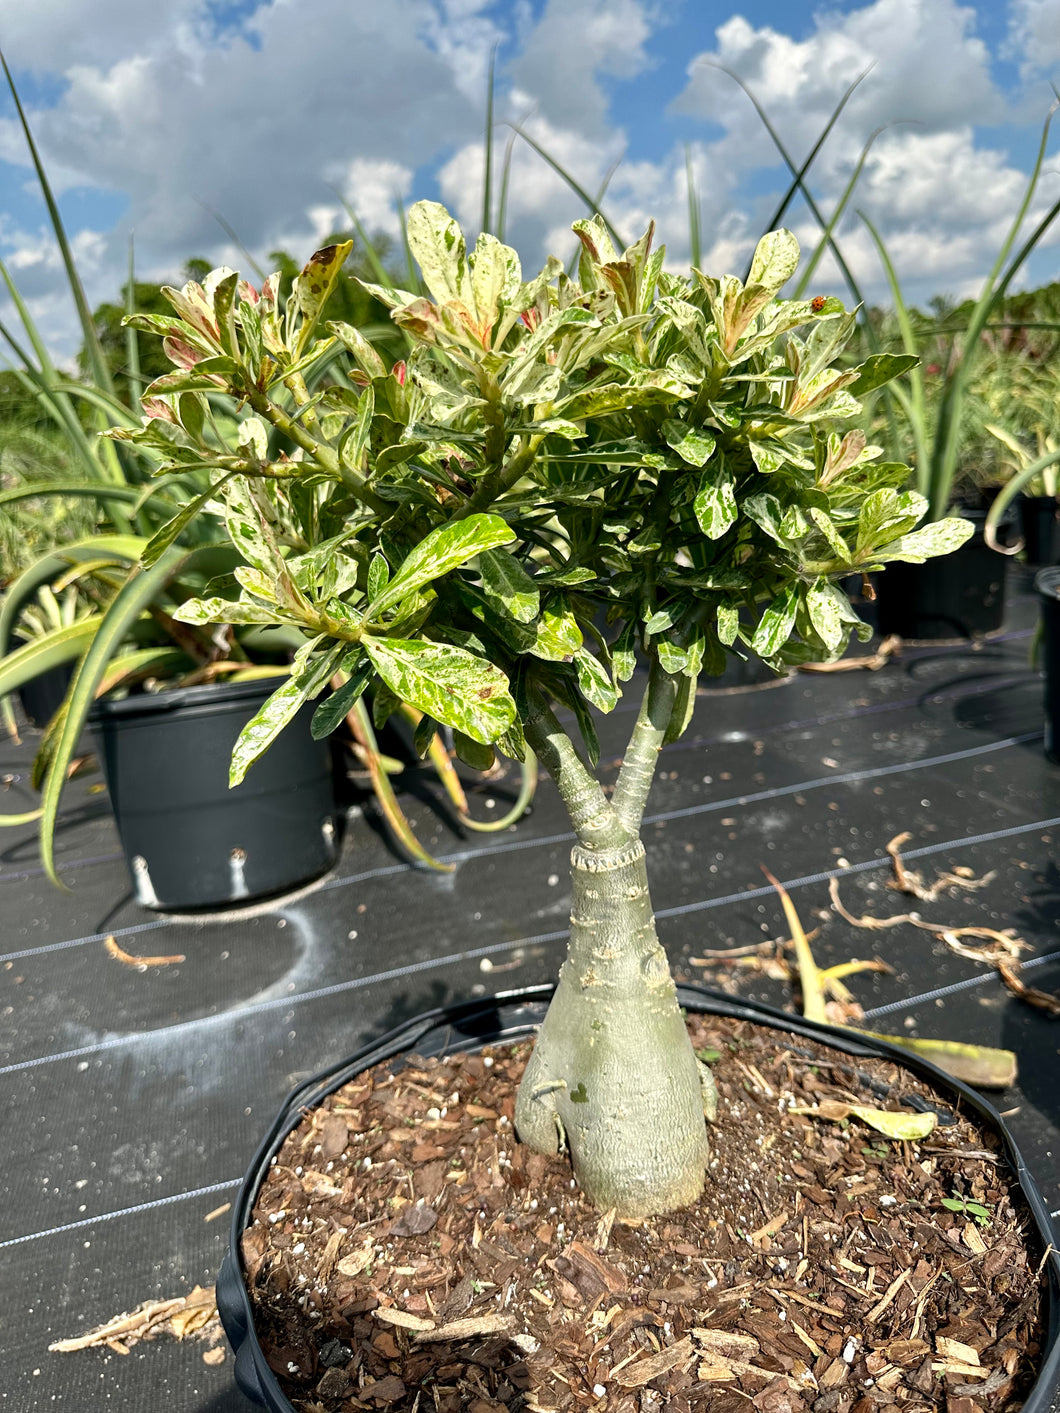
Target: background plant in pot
[(77, 512), (969, 357), (654, 447), (925, 416)]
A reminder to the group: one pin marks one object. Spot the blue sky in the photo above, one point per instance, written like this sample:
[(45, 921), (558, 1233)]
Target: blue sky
[(155, 119)]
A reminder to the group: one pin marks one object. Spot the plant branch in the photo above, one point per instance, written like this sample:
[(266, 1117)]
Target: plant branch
[(642, 754), (503, 479), (594, 818), (324, 456)]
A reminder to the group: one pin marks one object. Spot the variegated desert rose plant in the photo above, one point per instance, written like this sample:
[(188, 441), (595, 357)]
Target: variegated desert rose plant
[(566, 487)]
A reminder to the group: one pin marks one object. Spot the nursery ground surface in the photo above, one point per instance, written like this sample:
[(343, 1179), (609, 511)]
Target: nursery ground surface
[(137, 1094), (405, 1250)]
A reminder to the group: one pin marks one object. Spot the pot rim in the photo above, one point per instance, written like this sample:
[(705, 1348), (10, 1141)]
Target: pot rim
[(210, 695), (471, 1024)]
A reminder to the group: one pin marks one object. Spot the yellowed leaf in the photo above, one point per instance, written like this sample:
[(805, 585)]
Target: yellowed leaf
[(885, 1121)]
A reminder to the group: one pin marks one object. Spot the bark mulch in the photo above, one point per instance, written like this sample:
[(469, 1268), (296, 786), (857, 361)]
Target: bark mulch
[(407, 1253)]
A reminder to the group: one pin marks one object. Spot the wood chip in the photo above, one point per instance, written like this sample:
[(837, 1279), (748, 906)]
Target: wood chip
[(355, 1264), (726, 1342), (644, 1370), (214, 1356), (955, 1349), (468, 1328), (888, 1295), (218, 1212), (973, 1239), (603, 1230), (330, 1254), (811, 1344), (834, 1375), (403, 1318), (771, 1228)]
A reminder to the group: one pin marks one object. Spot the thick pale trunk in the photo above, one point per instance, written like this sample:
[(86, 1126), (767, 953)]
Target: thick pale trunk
[(613, 1074)]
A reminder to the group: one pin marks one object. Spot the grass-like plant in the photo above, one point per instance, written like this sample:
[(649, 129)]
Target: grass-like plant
[(565, 479), (117, 623), (931, 426)]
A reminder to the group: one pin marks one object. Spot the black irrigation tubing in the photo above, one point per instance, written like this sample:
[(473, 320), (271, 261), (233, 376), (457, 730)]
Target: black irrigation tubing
[(968, 984), (238, 1013), (849, 714), (151, 1206), (516, 845), (66, 865)]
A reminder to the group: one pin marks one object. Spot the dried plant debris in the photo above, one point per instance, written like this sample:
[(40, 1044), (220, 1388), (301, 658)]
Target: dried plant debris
[(112, 949), (1044, 1000), (872, 662), (182, 1317), (907, 880), (821, 1271), (999, 948)]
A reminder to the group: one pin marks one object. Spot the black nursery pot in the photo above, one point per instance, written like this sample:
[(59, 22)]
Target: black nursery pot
[(958, 595), (1047, 582), (511, 1016), (42, 697), (1040, 524), (190, 841)]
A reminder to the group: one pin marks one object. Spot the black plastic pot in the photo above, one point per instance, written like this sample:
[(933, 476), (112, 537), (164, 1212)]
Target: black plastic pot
[(1047, 583), (959, 595), (189, 841), (1040, 524), (42, 698), (511, 1016)]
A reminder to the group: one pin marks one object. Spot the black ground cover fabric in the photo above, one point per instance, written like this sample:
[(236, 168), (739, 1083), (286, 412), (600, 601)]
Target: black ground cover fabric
[(132, 1101)]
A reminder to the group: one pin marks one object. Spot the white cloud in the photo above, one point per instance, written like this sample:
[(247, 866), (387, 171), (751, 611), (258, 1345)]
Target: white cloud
[(574, 42), (1034, 36), (264, 124)]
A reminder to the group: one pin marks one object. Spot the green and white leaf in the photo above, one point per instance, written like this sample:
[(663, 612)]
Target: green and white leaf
[(715, 503), (449, 684), (442, 550), (692, 444), (775, 625), (308, 678), (437, 243), (728, 623), (334, 709), (826, 614), (595, 684), (776, 259), (558, 636), (940, 537), (506, 581)]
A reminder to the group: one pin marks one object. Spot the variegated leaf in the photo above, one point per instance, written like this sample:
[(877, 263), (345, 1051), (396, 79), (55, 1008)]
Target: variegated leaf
[(449, 684), (442, 550), (437, 242)]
